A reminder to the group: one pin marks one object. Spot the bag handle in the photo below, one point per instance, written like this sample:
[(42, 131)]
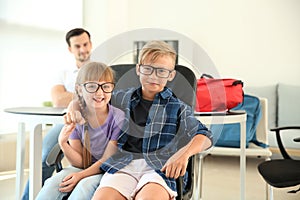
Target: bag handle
[(238, 82), (206, 75), (234, 83)]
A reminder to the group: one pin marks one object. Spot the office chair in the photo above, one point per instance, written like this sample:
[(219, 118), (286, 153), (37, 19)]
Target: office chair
[(283, 172), (183, 86)]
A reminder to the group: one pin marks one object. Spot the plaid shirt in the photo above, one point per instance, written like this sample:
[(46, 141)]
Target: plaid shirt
[(170, 126)]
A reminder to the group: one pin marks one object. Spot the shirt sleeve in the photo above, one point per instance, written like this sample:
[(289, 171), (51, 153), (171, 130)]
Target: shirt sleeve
[(77, 133), (118, 118)]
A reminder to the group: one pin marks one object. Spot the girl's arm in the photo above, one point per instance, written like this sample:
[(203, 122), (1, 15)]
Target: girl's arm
[(95, 168), (70, 181), (73, 149)]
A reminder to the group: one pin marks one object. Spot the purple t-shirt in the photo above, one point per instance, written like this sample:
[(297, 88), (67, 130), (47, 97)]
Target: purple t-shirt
[(100, 136)]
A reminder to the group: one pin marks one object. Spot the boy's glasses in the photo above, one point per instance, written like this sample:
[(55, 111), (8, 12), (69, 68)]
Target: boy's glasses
[(93, 87), (160, 72)]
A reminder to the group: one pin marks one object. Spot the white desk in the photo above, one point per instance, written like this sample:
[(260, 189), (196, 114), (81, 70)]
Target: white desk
[(33, 117), (238, 117)]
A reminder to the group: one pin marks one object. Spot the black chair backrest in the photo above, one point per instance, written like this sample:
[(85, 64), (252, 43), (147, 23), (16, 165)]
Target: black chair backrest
[(183, 85)]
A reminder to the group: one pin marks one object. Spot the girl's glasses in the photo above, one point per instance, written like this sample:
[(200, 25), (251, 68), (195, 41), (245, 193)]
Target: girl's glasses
[(93, 87)]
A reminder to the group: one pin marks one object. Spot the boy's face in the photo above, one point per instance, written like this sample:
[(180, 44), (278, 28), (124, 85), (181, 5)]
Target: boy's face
[(153, 83)]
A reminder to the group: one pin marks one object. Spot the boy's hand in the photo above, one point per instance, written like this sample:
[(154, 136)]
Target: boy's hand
[(175, 166), (74, 117)]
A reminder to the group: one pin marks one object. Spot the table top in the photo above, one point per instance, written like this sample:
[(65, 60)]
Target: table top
[(51, 111), (59, 111)]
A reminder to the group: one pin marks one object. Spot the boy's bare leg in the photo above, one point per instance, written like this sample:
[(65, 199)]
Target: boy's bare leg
[(153, 190), (107, 193)]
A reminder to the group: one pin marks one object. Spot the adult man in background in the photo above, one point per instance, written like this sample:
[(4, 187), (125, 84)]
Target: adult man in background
[(80, 45)]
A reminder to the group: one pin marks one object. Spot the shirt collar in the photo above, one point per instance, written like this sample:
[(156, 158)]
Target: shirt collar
[(165, 94)]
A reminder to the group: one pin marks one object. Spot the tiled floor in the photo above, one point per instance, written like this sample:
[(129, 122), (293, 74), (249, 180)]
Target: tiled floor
[(220, 181)]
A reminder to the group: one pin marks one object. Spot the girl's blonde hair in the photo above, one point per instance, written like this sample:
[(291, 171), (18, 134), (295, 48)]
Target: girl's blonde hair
[(156, 49), (92, 71), (95, 71)]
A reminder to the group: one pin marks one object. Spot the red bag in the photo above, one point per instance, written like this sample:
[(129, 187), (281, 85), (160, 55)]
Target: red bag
[(215, 95)]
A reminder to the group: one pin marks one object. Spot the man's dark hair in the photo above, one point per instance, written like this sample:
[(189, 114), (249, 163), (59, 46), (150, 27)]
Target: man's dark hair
[(76, 32)]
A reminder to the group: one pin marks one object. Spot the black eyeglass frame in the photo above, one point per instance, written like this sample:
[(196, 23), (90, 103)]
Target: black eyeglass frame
[(99, 86), (155, 69)]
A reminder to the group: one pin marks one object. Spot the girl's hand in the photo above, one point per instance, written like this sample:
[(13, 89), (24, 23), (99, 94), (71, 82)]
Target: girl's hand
[(69, 182)]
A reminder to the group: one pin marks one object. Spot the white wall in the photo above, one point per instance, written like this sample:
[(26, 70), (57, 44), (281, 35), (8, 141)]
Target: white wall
[(254, 40), (32, 50), (257, 41)]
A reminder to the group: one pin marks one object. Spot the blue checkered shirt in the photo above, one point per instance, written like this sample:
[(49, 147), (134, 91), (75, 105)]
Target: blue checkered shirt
[(170, 126)]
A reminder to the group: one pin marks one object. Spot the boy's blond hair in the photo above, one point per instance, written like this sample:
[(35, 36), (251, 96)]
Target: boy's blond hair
[(155, 49)]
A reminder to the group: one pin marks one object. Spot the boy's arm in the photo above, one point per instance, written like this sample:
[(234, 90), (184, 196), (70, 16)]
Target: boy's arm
[(177, 164), (73, 106), (73, 113)]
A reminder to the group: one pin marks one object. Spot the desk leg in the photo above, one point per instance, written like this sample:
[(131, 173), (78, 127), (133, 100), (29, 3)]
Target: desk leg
[(21, 138), (243, 160), (35, 174)]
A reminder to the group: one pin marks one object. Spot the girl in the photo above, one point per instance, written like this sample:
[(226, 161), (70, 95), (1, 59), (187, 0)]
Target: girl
[(88, 144)]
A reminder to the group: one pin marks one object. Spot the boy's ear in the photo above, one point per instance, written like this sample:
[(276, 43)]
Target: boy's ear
[(172, 75), (137, 69)]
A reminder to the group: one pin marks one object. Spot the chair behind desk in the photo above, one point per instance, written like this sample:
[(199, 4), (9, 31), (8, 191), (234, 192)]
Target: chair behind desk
[(283, 172)]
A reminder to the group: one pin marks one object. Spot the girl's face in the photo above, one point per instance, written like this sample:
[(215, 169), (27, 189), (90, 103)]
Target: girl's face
[(163, 71), (96, 94)]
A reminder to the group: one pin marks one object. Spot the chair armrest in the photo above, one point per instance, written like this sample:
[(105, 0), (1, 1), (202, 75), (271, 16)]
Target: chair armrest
[(284, 128), (180, 185), (182, 192), (279, 141), (297, 139), (54, 158), (262, 126)]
